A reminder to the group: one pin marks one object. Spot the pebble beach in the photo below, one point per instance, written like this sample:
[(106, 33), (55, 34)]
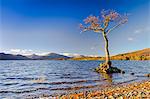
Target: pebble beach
[(136, 90)]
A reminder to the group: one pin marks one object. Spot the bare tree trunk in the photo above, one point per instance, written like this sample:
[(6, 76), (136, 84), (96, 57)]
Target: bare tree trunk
[(106, 66), (106, 48)]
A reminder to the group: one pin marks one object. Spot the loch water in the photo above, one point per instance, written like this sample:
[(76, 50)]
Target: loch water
[(24, 78)]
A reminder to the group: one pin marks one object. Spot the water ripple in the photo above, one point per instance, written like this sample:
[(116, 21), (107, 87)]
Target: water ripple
[(40, 76)]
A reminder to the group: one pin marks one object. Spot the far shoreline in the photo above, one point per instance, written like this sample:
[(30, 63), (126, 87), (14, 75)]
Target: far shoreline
[(73, 59)]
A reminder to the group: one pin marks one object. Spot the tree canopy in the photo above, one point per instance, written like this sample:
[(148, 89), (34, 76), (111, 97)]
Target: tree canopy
[(106, 22)]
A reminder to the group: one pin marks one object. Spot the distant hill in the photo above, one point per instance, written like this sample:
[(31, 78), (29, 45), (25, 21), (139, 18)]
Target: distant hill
[(136, 55), (50, 56), (34, 56), (4, 56), (54, 56)]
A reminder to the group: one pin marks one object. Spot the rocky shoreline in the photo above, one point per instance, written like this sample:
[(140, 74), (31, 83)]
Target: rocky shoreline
[(136, 90)]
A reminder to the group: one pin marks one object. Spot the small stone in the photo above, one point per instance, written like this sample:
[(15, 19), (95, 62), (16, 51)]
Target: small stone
[(147, 75), (123, 72), (132, 73)]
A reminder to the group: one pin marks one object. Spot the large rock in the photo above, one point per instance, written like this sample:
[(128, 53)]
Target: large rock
[(107, 68)]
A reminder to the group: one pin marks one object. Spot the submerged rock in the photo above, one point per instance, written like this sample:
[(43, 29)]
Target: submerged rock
[(132, 73), (123, 72)]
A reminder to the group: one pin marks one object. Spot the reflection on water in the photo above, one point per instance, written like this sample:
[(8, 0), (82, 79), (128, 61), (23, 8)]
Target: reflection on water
[(22, 78), (39, 80), (108, 77)]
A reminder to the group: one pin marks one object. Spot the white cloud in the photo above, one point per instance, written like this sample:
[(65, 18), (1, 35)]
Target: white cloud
[(77, 55), (27, 52), (71, 54), (66, 54), (92, 48), (93, 55), (24, 52), (21, 51), (130, 39), (137, 31), (142, 30)]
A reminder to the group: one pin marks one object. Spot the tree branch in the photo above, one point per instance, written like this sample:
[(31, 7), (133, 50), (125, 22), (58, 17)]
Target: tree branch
[(106, 22), (99, 29), (106, 25), (113, 28), (96, 30)]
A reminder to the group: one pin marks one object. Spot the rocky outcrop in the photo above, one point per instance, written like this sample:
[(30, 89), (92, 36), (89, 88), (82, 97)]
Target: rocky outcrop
[(107, 68)]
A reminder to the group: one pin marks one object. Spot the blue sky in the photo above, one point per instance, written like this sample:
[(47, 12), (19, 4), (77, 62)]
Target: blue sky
[(40, 26)]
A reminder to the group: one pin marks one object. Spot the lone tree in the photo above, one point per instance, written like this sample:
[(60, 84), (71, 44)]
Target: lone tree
[(104, 24)]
